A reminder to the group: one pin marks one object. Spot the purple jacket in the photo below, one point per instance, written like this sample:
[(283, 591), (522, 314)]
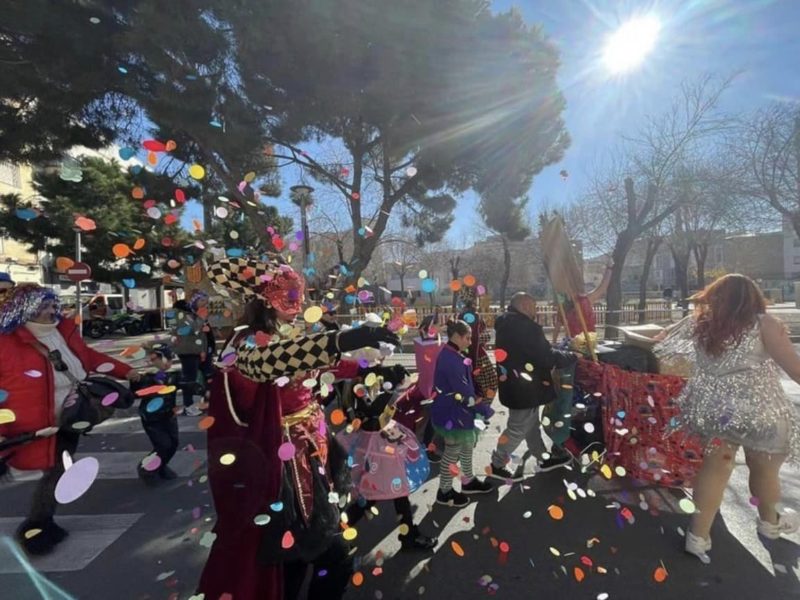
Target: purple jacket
[(454, 405)]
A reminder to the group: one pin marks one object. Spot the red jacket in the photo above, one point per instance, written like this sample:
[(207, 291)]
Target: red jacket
[(31, 397)]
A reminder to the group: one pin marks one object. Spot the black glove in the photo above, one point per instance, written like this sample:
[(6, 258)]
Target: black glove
[(394, 374), (362, 337)]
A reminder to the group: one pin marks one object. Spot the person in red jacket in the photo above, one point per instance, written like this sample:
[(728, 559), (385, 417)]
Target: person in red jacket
[(34, 340)]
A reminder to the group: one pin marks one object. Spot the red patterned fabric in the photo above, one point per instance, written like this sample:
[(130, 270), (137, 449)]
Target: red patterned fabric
[(643, 404)]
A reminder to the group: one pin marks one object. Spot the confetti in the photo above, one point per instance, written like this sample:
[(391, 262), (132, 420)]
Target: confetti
[(7, 415), (197, 172), (660, 575), (109, 399), (457, 549), (579, 574), (687, 506), (286, 451), (500, 355), (337, 417), (261, 519), (358, 578), (205, 423), (556, 512), (287, 541), (349, 534), (76, 480), (227, 459), (207, 539)]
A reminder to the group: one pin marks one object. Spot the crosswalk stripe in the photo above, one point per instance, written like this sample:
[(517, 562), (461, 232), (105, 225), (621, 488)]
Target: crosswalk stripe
[(89, 537)]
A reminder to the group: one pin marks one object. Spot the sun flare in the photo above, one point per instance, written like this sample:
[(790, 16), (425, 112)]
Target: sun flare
[(629, 45)]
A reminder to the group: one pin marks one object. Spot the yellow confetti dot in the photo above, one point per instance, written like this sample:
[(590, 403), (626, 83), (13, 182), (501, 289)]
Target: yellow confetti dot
[(350, 534), (554, 551), (249, 177), (197, 171), (606, 471), (404, 529), (227, 459), (528, 367), (312, 314), (7, 416), (30, 533), (687, 505), (370, 379)]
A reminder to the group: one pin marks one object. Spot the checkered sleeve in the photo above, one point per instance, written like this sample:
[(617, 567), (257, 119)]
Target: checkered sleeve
[(285, 357)]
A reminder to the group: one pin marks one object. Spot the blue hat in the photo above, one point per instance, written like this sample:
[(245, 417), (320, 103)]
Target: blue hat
[(6, 277)]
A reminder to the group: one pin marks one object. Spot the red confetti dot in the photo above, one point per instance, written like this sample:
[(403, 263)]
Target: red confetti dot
[(504, 547), (500, 355)]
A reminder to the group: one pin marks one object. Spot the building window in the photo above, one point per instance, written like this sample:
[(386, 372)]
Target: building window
[(9, 174)]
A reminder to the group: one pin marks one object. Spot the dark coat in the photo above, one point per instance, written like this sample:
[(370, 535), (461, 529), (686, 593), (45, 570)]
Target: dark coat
[(524, 341)]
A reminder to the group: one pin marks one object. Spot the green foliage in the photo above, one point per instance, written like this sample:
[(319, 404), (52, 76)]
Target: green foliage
[(103, 195), (426, 99)]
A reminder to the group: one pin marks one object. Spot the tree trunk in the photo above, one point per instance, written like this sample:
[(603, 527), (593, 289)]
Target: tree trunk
[(506, 272), (650, 254), (614, 295), (454, 272), (700, 256), (681, 260), (403, 283)]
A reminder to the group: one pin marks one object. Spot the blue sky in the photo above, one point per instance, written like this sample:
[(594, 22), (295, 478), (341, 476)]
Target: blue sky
[(760, 38)]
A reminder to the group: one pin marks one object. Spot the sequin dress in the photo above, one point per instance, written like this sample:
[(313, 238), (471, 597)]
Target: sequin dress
[(738, 397)]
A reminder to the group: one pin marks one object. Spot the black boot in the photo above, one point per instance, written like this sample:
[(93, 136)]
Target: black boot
[(414, 540), (57, 533), (166, 473), (150, 478), (36, 538)]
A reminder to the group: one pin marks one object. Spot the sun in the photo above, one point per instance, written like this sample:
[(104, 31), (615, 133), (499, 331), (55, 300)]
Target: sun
[(630, 44)]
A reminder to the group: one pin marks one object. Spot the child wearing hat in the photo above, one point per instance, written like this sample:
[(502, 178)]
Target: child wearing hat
[(157, 389)]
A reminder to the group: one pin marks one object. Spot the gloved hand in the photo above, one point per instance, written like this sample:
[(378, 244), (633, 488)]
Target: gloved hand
[(362, 337), (394, 374)]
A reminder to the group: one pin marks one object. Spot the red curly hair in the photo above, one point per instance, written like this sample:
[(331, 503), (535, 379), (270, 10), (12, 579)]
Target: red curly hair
[(725, 311)]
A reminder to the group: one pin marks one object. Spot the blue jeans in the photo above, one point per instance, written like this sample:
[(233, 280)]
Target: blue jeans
[(191, 367)]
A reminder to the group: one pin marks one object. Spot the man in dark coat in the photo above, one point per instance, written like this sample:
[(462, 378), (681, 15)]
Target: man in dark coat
[(525, 385)]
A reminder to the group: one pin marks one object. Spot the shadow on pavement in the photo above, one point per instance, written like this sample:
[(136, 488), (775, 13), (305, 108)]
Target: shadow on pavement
[(549, 558)]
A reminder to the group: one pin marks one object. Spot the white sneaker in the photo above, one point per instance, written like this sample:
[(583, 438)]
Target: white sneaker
[(698, 547), (192, 411), (787, 524)]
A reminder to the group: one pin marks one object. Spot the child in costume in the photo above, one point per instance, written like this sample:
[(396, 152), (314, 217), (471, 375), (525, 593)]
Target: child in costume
[(386, 460), (276, 476), (455, 408), (157, 390)]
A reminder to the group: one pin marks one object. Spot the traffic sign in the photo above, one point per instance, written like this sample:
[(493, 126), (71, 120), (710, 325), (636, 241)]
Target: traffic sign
[(79, 272)]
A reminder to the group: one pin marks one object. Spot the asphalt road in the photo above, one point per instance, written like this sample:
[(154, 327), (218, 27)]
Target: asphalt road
[(129, 541)]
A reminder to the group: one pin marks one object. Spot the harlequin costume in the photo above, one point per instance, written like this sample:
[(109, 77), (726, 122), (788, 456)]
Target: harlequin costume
[(272, 467)]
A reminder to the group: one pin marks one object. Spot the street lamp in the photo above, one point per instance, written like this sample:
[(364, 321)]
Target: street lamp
[(78, 307), (301, 196)]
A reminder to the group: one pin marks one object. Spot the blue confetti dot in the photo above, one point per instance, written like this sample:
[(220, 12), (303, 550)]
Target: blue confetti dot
[(469, 318), (185, 330), (126, 153), (155, 404), (122, 70), (215, 123), (621, 414), (3, 396), (129, 283), (276, 506), (428, 286), (235, 252), (136, 169)]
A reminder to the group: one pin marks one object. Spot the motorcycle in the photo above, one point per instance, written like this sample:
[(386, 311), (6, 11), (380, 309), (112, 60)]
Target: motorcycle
[(131, 323)]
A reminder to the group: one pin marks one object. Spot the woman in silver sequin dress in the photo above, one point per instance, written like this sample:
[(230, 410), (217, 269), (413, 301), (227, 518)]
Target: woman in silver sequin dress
[(734, 398)]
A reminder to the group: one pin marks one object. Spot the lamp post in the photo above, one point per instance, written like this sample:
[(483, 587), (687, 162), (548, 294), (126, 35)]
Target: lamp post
[(78, 306), (301, 196)]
